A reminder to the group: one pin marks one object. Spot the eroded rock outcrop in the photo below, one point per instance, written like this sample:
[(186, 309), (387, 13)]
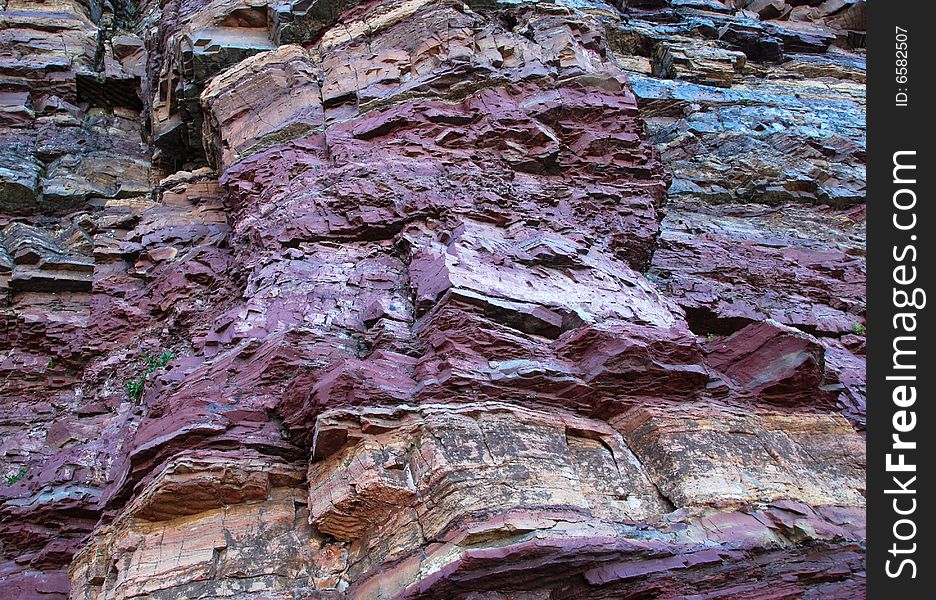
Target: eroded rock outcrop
[(431, 299)]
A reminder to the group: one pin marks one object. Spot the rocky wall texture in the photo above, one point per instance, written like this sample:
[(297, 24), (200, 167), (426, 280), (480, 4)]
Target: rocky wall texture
[(485, 300)]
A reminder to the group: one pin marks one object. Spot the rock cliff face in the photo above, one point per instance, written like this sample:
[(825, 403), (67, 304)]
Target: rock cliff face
[(484, 300)]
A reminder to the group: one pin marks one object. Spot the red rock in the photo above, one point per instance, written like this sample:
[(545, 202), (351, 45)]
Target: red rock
[(770, 361)]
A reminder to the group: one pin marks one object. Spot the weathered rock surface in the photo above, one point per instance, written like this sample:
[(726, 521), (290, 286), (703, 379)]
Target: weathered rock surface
[(427, 299)]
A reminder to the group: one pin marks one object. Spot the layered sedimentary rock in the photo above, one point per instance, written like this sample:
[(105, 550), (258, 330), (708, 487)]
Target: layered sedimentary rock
[(431, 299)]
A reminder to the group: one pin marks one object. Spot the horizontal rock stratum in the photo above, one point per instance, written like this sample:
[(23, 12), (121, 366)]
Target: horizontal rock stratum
[(432, 299)]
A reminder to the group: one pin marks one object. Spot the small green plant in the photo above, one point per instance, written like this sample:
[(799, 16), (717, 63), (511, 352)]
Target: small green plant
[(710, 336), (129, 16), (858, 329), (135, 386), (14, 477), (158, 362)]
